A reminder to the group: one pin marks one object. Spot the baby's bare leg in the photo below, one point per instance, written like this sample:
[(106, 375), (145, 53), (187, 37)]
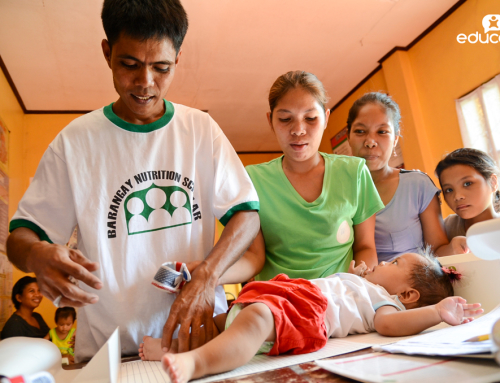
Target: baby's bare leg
[(233, 348), (150, 349)]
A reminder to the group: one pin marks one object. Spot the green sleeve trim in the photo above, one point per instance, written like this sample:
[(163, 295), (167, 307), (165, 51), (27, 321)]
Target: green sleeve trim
[(16, 223), (252, 205)]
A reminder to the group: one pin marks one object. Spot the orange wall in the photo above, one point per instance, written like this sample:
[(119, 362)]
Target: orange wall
[(13, 117), (445, 70), (426, 80), (29, 137), (40, 131)]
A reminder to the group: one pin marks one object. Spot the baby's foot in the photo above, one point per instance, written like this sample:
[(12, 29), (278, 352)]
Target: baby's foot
[(150, 349), (179, 367)]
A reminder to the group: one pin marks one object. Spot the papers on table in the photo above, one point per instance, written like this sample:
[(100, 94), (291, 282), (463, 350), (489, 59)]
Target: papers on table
[(382, 367), (143, 372), (146, 372), (442, 349), (449, 341)]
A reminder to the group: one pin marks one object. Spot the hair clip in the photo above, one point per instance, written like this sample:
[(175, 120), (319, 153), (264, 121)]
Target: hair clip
[(452, 273)]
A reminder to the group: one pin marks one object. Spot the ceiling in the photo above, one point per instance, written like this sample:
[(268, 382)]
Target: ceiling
[(232, 53)]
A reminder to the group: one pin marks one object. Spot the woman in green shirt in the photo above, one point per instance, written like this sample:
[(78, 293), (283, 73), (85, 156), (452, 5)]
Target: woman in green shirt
[(317, 210)]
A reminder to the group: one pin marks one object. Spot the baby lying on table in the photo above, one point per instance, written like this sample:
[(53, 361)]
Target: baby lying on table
[(296, 316)]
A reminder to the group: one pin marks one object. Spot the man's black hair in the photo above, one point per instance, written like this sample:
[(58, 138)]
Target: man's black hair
[(18, 289), (145, 19)]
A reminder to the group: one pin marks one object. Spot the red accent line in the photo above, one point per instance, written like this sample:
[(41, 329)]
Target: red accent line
[(163, 287), (421, 367)]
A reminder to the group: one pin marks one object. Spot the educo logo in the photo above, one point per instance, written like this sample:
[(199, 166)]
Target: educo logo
[(490, 23)]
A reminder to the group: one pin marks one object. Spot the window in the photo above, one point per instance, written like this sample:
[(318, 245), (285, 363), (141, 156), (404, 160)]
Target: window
[(479, 118)]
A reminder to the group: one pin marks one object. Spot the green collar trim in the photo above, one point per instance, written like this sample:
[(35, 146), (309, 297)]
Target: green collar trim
[(160, 123)]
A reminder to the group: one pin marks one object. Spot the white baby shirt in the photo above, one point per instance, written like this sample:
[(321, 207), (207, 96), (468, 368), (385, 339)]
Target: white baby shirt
[(352, 302)]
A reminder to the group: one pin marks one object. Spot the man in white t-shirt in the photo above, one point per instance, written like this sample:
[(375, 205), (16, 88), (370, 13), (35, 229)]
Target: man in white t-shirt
[(143, 179)]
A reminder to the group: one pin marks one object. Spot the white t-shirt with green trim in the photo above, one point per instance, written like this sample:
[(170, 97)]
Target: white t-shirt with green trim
[(141, 195)]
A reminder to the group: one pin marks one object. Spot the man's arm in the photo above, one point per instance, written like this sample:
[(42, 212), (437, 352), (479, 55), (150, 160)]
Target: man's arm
[(452, 310), (52, 265), (193, 307)]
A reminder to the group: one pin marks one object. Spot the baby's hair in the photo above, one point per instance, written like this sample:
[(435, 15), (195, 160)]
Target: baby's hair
[(476, 159), (64, 312), (431, 279)]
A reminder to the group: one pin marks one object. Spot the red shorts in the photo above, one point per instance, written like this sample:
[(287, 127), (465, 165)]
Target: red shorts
[(298, 307)]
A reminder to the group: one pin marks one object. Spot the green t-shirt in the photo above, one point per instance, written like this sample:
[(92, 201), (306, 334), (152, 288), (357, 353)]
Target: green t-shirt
[(312, 239)]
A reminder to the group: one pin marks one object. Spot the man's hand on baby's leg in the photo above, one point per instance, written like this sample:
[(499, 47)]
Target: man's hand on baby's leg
[(150, 349)]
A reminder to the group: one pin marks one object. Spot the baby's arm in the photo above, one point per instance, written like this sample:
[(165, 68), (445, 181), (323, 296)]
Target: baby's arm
[(249, 265), (452, 310), (245, 268)]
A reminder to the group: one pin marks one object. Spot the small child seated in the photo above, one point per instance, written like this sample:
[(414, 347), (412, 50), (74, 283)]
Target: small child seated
[(283, 315), (63, 333)]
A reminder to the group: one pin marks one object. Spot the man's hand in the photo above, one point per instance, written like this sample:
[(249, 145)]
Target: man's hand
[(53, 265), (455, 310), (194, 306), (192, 309), (360, 269)]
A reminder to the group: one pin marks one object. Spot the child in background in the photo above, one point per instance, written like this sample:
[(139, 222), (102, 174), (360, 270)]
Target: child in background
[(63, 333), (468, 178), (403, 297)]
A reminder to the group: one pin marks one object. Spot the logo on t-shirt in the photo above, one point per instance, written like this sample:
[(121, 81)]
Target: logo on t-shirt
[(155, 207)]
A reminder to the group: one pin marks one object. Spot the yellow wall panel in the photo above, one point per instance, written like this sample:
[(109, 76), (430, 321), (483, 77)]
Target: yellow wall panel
[(41, 129)]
